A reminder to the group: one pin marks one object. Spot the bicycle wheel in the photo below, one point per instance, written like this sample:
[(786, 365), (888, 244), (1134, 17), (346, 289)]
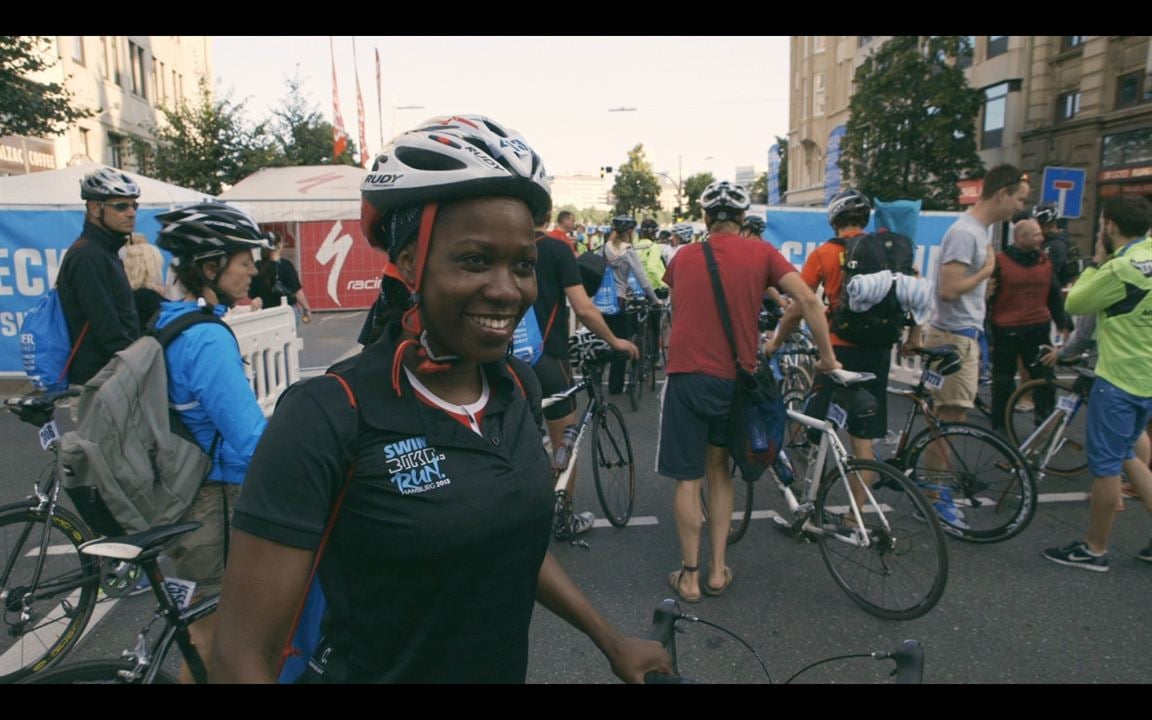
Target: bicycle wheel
[(901, 572), (742, 496), (613, 467), (1070, 458), (96, 672), (634, 377), (982, 488), (39, 625), (796, 380)]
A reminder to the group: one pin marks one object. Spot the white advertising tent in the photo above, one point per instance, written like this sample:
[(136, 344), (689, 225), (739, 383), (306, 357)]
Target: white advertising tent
[(300, 194), (60, 190)]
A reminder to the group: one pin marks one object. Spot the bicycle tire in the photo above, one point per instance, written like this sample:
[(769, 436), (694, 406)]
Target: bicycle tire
[(902, 573), (96, 672), (613, 465), (634, 375), (994, 486), (742, 498), (796, 380), (57, 621), (1072, 457)]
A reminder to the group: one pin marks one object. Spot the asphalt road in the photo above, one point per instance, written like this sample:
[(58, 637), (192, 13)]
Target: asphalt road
[(1007, 615)]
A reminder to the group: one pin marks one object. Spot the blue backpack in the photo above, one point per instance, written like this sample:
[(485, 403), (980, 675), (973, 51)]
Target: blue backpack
[(45, 345)]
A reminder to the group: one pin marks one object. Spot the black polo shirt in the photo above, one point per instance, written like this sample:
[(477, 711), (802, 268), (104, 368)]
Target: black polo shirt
[(556, 269), (431, 569)]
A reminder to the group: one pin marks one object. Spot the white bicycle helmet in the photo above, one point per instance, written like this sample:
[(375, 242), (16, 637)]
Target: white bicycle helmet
[(206, 230), (725, 200), (108, 183), (848, 201), (451, 158), (684, 230), (586, 349)]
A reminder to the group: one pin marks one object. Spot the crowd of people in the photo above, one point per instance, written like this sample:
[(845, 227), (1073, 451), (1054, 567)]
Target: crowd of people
[(422, 498)]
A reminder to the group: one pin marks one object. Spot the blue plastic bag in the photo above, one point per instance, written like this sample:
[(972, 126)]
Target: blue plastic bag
[(527, 340), (635, 289), (45, 346), (605, 297)]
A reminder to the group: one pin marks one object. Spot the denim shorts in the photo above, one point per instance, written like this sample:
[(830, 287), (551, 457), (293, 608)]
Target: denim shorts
[(1115, 420)]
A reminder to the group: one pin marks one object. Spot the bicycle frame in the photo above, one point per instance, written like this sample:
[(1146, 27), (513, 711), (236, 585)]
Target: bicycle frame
[(1048, 439)]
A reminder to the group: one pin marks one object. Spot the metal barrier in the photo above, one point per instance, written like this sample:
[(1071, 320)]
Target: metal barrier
[(270, 348)]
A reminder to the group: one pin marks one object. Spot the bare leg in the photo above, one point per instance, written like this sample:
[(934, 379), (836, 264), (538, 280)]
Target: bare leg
[(202, 633), (720, 503), (689, 520)]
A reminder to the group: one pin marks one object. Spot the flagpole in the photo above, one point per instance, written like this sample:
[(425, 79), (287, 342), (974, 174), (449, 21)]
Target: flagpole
[(359, 108), (379, 100)]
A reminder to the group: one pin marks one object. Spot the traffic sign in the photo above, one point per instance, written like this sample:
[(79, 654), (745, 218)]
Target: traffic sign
[(1065, 188)]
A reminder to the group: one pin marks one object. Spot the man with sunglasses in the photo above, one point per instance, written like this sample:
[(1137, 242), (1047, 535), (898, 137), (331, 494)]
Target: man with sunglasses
[(94, 290)]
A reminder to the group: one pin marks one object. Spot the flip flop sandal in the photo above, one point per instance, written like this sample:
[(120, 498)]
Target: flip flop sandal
[(674, 583), (729, 576)]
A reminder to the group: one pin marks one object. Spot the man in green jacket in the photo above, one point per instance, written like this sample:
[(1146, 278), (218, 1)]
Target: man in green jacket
[(1120, 290)]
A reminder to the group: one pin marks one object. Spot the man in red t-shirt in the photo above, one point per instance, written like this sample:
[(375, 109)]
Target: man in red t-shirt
[(702, 375), (848, 214), (565, 223)]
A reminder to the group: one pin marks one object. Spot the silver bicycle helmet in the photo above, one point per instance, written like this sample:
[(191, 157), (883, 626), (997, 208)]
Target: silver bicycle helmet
[(623, 223), (1045, 213), (451, 158), (108, 183), (755, 223), (206, 230), (725, 200), (848, 201)]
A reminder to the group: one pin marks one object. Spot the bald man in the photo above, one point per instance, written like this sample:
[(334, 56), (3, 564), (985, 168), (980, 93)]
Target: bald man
[(1025, 299)]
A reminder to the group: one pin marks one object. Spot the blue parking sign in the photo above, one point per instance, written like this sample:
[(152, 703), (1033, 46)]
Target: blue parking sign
[(1065, 188)]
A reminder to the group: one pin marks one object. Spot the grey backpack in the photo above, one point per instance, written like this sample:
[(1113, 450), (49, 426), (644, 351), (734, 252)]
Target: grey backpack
[(131, 463)]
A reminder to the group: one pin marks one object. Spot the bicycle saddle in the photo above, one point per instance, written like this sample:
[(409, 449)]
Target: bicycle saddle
[(848, 378), (137, 546)]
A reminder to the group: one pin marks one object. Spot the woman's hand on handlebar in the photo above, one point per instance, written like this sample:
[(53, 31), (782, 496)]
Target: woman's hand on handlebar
[(625, 346), (632, 657), (1048, 355)]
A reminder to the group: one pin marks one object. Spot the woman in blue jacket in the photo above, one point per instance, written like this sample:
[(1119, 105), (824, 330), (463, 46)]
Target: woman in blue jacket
[(212, 245)]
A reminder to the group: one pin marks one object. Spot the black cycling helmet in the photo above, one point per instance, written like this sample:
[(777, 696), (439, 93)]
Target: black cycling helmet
[(586, 349), (206, 230), (755, 223), (623, 223), (1046, 213), (108, 183), (724, 200), (849, 202), (648, 227), (664, 235)]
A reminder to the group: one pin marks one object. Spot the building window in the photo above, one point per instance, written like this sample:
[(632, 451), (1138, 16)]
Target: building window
[(1127, 148), (995, 113), (115, 150), (817, 43), (1067, 42), (1068, 105), (818, 95), (1130, 90), (78, 50), (84, 141), (967, 50), (136, 57), (997, 45), (862, 40), (105, 58)]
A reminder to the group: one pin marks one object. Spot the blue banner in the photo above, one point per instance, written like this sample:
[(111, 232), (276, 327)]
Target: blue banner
[(32, 244), (832, 164), (797, 232), (774, 175)]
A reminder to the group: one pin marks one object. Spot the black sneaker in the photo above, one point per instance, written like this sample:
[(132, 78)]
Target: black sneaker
[(1077, 555), (1145, 554)]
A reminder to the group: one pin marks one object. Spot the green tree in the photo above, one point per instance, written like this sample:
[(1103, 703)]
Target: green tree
[(693, 186), (782, 144), (302, 135), (28, 107), (636, 187), (209, 145), (912, 131), (759, 189)]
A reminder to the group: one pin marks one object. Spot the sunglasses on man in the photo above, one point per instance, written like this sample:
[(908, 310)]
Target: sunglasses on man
[(122, 206)]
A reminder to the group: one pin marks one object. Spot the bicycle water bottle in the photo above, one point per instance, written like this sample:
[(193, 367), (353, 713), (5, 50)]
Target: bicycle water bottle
[(563, 453), (757, 429)]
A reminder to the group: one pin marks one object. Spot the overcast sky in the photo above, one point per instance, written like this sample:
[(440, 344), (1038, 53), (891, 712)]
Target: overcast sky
[(710, 103)]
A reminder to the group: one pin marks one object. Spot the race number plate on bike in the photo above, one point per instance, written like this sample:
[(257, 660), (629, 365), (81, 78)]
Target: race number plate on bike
[(1067, 403), (934, 380), (49, 433), (837, 415), (180, 591)]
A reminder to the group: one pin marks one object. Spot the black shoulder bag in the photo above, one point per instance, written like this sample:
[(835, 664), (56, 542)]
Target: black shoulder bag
[(757, 390)]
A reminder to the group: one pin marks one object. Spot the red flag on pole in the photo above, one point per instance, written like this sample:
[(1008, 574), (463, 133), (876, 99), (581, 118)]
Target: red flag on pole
[(359, 109), (339, 135)]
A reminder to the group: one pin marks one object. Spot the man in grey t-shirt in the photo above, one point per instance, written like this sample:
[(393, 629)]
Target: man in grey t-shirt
[(965, 263)]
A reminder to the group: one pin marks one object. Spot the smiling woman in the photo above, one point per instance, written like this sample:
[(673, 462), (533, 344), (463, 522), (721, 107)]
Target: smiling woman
[(422, 499)]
